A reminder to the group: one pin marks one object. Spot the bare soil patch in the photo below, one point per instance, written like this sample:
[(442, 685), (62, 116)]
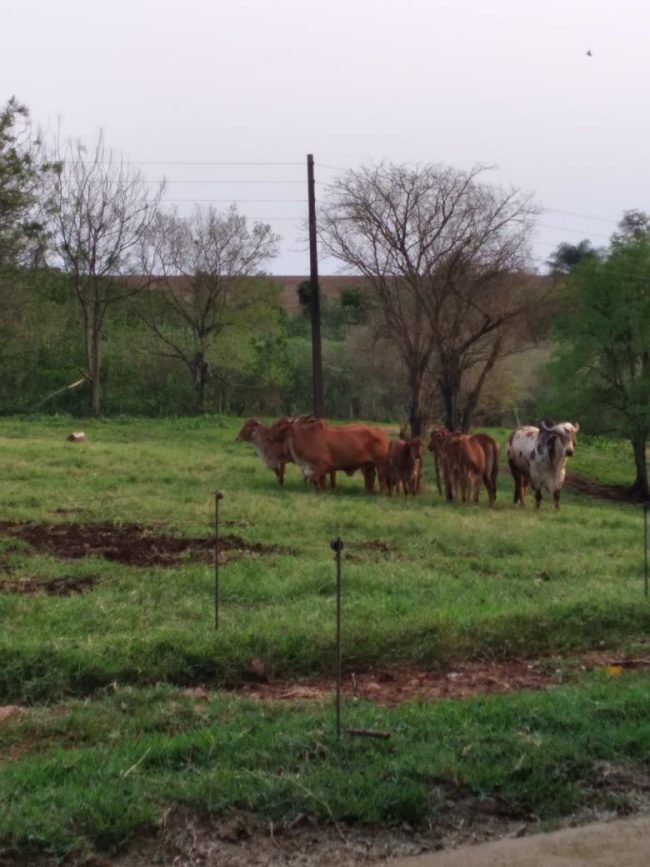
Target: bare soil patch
[(56, 587), (131, 544), (613, 493), (393, 686), (376, 545), (184, 839)]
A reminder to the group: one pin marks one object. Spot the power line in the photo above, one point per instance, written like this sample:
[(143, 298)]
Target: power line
[(183, 163), (192, 181), (566, 229), (581, 216), (247, 201)]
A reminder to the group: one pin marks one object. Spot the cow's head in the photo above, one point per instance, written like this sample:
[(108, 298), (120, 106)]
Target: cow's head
[(570, 430), (245, 435), (437, 438), (560, 439)]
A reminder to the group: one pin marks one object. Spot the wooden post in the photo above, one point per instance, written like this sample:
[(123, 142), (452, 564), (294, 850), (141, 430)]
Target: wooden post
[(314, 293), (646, 506)]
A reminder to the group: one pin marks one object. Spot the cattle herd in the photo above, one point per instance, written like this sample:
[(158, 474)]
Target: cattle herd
[(536, 456)]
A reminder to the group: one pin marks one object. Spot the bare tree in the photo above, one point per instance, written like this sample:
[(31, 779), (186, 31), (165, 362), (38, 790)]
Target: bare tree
[(204, 272), (443, 254), (102, 208)]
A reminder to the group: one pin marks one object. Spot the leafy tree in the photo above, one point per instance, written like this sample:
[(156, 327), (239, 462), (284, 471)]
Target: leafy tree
[(443, 256), (205, 279), (304, 297), (22, 172), (605, 344), (567, 256), (355, 303), (633, 226)]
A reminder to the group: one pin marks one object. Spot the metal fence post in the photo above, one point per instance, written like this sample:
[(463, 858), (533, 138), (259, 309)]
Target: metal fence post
[(217, 496), (646, 507), (337, 546)]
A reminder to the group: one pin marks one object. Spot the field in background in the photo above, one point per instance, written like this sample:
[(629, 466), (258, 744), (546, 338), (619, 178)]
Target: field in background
[(98, 649)]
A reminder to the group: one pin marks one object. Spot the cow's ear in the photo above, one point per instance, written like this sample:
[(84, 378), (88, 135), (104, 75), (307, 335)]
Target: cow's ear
[(576, 426)]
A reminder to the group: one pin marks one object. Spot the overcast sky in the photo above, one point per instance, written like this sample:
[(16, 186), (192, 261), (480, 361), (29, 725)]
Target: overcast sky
[(183, 86)]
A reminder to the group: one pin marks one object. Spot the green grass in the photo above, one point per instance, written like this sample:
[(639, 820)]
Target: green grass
[(88, 777), (108, 740), (456, 583)]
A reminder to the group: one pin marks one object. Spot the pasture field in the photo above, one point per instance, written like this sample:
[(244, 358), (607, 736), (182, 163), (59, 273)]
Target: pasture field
[(102, 653)]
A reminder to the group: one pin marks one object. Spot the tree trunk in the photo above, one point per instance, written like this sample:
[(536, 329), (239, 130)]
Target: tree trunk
[(201, 372), (92, 352), (467, 414), (96, 373), (416, 410), (640, 487), (449, 384)]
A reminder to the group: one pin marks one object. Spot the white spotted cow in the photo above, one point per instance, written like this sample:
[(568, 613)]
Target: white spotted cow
[(538, 455)]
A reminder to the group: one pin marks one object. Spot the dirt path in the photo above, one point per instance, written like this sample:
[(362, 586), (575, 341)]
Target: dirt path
[(619, 843)]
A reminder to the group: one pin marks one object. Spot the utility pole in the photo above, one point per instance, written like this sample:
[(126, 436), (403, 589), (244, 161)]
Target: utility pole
[(314, 295)]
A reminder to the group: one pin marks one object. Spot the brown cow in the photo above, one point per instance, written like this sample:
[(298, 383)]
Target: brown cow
[(275, 455), (317, 448), (466, 460), (404, 465)]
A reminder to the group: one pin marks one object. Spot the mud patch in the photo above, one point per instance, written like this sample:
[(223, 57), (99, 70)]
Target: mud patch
[(376, 545), (613, 493), (55, 587), (131, 544), (185, 839), (391, 687)]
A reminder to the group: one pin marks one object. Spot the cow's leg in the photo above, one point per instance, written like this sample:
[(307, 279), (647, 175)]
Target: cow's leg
[(332, 479), (464, 487), (279, 474), (449, 483), (538, 498), (524, 489), (516, 475), (382, 475), (490, 487), (436, 464), (556, 499), (368, 478)]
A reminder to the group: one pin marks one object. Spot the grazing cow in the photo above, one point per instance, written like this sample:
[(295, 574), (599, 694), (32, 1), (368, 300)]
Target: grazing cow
[(404, 465), (275, 455), (466, 460), (491, 450), (538, 455), (318, 449)]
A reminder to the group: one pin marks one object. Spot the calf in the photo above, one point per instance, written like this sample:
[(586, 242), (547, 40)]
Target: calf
[(537, 456), (466, 460), (404, 465)]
